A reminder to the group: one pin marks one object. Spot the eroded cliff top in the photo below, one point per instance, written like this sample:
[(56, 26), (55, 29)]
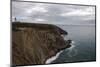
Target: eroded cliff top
[(49, 27)]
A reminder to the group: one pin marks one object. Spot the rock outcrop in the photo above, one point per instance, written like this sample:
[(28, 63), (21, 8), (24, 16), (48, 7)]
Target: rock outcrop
[(35, 43)]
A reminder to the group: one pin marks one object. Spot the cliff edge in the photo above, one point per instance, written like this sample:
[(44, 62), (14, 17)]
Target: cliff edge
[(35, 43)]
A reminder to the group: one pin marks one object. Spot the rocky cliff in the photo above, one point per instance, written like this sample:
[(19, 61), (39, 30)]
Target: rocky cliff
[(35, 43)]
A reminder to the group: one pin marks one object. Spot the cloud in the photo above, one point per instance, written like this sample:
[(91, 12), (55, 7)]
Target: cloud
[(53, 13), (37, 8), (86, 13), (38, 19), (76, 13)]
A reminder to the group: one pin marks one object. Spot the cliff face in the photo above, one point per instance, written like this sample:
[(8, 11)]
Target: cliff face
[(35, 43)]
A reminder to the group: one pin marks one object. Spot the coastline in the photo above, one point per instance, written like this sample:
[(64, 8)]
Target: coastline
[(51, 59), (41, 42)]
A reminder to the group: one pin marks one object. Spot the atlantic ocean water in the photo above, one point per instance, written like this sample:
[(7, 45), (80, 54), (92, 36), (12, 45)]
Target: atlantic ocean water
[(84, 46)]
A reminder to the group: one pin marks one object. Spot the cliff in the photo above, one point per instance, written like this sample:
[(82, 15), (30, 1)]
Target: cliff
[(35, 43)]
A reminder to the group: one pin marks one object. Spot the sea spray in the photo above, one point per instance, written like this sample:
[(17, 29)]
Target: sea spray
[(72, 51), (53, 57), (58, 54)]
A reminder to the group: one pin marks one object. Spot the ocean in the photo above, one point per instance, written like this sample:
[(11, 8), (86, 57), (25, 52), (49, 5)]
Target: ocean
[(83, 48)]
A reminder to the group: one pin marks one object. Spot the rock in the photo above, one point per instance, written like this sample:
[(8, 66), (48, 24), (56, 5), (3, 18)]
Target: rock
[(35, 43)]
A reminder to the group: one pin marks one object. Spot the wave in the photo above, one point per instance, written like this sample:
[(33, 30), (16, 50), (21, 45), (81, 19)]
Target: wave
[(57, 55), (72, 51), (72, 45), (53, 57)]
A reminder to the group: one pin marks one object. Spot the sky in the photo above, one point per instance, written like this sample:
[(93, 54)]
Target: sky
[(32, 12)]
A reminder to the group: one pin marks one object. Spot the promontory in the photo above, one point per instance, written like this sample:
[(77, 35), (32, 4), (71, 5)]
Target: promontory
[(34, 43)]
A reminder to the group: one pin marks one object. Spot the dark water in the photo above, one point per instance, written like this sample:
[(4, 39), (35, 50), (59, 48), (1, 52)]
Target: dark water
[(84, 48)]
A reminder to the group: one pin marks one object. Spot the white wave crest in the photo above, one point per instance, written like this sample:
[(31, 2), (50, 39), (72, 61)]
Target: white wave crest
[(57, 55), (72, 51), (53, 57)]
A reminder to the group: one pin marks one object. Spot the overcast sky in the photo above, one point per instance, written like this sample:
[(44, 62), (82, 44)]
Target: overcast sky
[(53, 13)]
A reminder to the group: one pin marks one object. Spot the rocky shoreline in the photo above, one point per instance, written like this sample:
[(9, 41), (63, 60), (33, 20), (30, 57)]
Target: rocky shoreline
[(33, 44)]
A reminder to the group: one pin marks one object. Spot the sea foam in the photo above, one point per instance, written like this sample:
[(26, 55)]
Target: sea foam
[(72, 50), (57, 55), (53, 57)]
